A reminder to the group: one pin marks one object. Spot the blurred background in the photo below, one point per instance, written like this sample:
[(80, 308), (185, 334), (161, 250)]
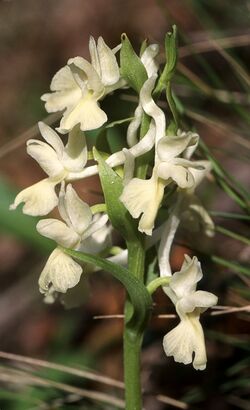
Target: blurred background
[(212, 85)]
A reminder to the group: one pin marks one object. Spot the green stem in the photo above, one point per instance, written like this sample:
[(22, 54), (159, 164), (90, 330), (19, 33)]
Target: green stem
[(133, 336), (132, 366), (155, 284)]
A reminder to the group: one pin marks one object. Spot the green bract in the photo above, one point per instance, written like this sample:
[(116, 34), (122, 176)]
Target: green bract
[(132, 68)]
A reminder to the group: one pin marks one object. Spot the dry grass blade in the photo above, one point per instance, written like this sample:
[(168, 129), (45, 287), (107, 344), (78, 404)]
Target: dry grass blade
[(173, 402), (225, 129), (234, 64), (221, 95), (24, 378), (231, 309), (66, 369), (208, 45), (30, 133)]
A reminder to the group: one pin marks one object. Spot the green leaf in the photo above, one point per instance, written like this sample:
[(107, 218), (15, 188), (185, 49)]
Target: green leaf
[(171, 50), (112, 188), (139, 296), (132, 68)]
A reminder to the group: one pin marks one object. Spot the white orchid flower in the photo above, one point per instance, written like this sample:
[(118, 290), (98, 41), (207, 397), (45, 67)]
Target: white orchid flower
[(58, 161), (187, 337), (61, 271), (145, 196), (189, 209), (77, 88)]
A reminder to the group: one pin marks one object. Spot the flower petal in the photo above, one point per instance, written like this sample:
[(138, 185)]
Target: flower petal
[(100, 239), (183, 340), (52, 138), (66, 94), (198, 299), (170, 147), (184, 282), (78, 212), (75, 155), (110, 73), (94, 55), (61, 271), (58, 231), (87, 113), (39, 199), (179, 174), (143, 197), (63, 80), (87, 75), (46, 157), (94, 227), (60, 100), (193, 143), (204, 167)]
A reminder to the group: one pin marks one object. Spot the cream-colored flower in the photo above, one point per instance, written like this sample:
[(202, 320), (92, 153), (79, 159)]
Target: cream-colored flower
[(77, 88), (187, 337), (58, 161), (189, 209), (61, 271), (145, 196)]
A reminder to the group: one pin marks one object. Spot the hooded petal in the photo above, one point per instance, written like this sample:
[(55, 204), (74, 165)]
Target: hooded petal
[(193, 143), (87, 113), (198, 299), (199, 173), (58, 231), (78, 212), (179, 174), (86, 75), (109, 68), (184, 282), (98, 223), (52, 138), (75, 155), (170, 147), (184, 340), (99, 239), (39, 199), (66, 94), (60, 271), (63, 80), (46, 157)]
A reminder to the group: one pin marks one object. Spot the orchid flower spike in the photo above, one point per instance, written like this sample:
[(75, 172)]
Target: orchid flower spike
[(57, 161), (77, 88), (187, 337), (61, 271), (145, 196)]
